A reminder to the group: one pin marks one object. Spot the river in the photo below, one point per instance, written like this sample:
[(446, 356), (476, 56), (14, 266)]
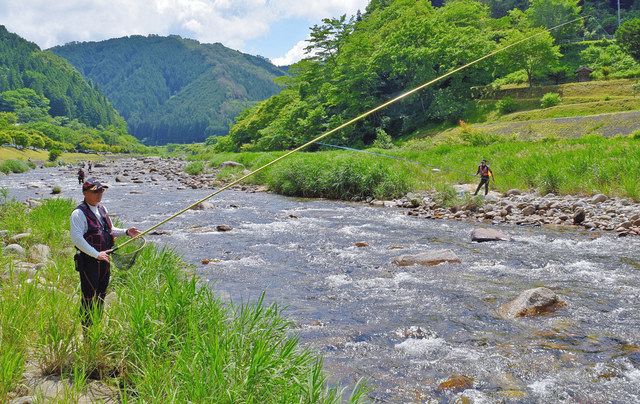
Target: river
[(361, 312)]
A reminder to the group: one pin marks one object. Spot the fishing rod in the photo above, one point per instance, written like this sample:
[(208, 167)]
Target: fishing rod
[(342, 126)]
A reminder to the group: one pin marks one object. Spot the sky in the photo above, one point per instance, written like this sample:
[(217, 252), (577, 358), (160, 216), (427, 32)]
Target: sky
[(275, 29)]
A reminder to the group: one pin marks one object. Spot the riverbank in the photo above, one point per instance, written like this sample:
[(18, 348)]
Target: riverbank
[(163, 337)]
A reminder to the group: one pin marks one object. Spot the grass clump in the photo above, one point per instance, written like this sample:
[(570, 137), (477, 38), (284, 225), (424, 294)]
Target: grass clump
[(161, 338), (506, 105), (194, 168), (550, 100), (14, 166), (338, 176)]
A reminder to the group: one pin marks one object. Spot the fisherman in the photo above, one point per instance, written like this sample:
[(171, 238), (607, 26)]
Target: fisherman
[(80, 175), (93, 233), (485, 175)]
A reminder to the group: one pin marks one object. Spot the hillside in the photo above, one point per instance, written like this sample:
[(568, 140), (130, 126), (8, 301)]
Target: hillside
[(24, 65), (171, 89)]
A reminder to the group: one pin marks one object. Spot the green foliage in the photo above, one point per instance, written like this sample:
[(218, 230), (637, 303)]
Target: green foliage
[(446, 195), (54, 154), (550, 100), (383, 140), (170, 89), (535, 56), (635, 135), (13, 166), (56, 190), (194, 168), (506, 105), (337, 177), (550, 181), (551, 13), (396, 45), (609, 61), (628, 37)]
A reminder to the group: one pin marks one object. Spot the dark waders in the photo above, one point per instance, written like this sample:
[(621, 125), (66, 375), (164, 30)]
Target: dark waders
[(484, 180)]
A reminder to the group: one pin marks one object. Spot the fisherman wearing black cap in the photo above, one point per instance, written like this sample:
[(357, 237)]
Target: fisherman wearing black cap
[(92, 232), (485, 175)]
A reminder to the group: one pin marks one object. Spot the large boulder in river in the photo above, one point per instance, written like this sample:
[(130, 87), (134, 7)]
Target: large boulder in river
[(531, 302), (481, 235), (428, 258)]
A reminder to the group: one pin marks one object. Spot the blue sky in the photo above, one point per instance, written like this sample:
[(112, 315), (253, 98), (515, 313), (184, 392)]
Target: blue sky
[(272, 28)]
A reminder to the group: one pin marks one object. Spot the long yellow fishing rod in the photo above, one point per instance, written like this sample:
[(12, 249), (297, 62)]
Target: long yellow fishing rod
[(344, 125)]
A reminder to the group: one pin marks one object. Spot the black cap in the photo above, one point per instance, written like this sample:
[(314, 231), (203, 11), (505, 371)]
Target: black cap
[(93, 184)]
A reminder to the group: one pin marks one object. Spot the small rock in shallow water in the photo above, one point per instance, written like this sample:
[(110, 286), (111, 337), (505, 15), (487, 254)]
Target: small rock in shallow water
[(223, 227), (532, 302), (428, 258), (361, 244), (456, 383), (481, 235)]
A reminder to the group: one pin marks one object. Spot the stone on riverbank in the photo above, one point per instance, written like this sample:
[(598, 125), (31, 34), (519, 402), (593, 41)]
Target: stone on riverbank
[(429, 258), (532, 302), (230, 164), (16, 249), (223, 227), (579, 216), (39, 253), (599, 198), (203, 206), (20, 236), (482, 235)]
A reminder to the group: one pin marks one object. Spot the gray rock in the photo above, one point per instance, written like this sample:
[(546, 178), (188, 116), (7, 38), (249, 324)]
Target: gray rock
[(224, 227), (23, 400), (599, 198), (119, 179), (528, 210), (513, 192), (428, 258), (230, 164), (20, 236), (39, 253), (15, 249), (531, 302), (482, 235), (203, 206)]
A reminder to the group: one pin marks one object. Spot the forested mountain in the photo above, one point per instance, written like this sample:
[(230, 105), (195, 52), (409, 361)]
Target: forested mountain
[(24, 65), (170, 89)]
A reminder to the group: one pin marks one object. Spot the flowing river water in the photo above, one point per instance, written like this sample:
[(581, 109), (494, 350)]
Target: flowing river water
[(406, 329)]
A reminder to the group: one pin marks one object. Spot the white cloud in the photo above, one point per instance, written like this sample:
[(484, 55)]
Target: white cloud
[(293, 55), (231, 22)]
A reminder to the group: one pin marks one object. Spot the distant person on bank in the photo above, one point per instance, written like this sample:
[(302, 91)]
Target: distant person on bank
[(485, 175), (93, 233), (80, 176)]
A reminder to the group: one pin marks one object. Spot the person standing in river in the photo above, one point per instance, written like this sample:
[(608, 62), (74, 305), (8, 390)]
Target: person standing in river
[(485, 175), (80, 175), (93, 233)]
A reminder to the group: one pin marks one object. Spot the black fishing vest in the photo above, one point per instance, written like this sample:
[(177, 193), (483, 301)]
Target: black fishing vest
[(98, 234)]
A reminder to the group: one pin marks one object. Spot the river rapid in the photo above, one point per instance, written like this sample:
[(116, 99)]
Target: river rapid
[(405, 330)]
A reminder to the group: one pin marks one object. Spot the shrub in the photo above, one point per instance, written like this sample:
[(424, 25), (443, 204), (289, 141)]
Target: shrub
[(54, 154), (635, 135), (506, 105), (550, 100), (14, 166), (550, 182), (194, 168), (56, 190), (383, 140), (446, 195)]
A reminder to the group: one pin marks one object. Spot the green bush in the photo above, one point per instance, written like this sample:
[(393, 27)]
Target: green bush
[(54, 154), (56, 190), (550, 100), (14, 166), (383, 140), (506, 105), (446, 195), (635, 135), (550, 182), (194, 168)]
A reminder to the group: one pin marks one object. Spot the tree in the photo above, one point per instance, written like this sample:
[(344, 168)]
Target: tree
[(536, 56), (326, 38), (551, 13), (21, 138), (628, 37)]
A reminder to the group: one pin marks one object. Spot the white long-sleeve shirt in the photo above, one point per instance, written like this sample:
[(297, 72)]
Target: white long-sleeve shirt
[(79, 227)]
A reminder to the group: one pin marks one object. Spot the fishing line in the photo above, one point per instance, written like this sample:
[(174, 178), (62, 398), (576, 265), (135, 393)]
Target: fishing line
[(342, 126)]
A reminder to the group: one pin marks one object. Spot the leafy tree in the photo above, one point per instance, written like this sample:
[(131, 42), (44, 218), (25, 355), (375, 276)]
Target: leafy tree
[(21, 138), (326, 38), (551, 13), (5, 137), (628, 37), (609, 61), (7, 119), (535, 56)]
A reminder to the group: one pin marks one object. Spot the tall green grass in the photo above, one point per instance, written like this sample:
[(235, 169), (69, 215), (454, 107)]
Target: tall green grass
[(161, 338), (14, 166)]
